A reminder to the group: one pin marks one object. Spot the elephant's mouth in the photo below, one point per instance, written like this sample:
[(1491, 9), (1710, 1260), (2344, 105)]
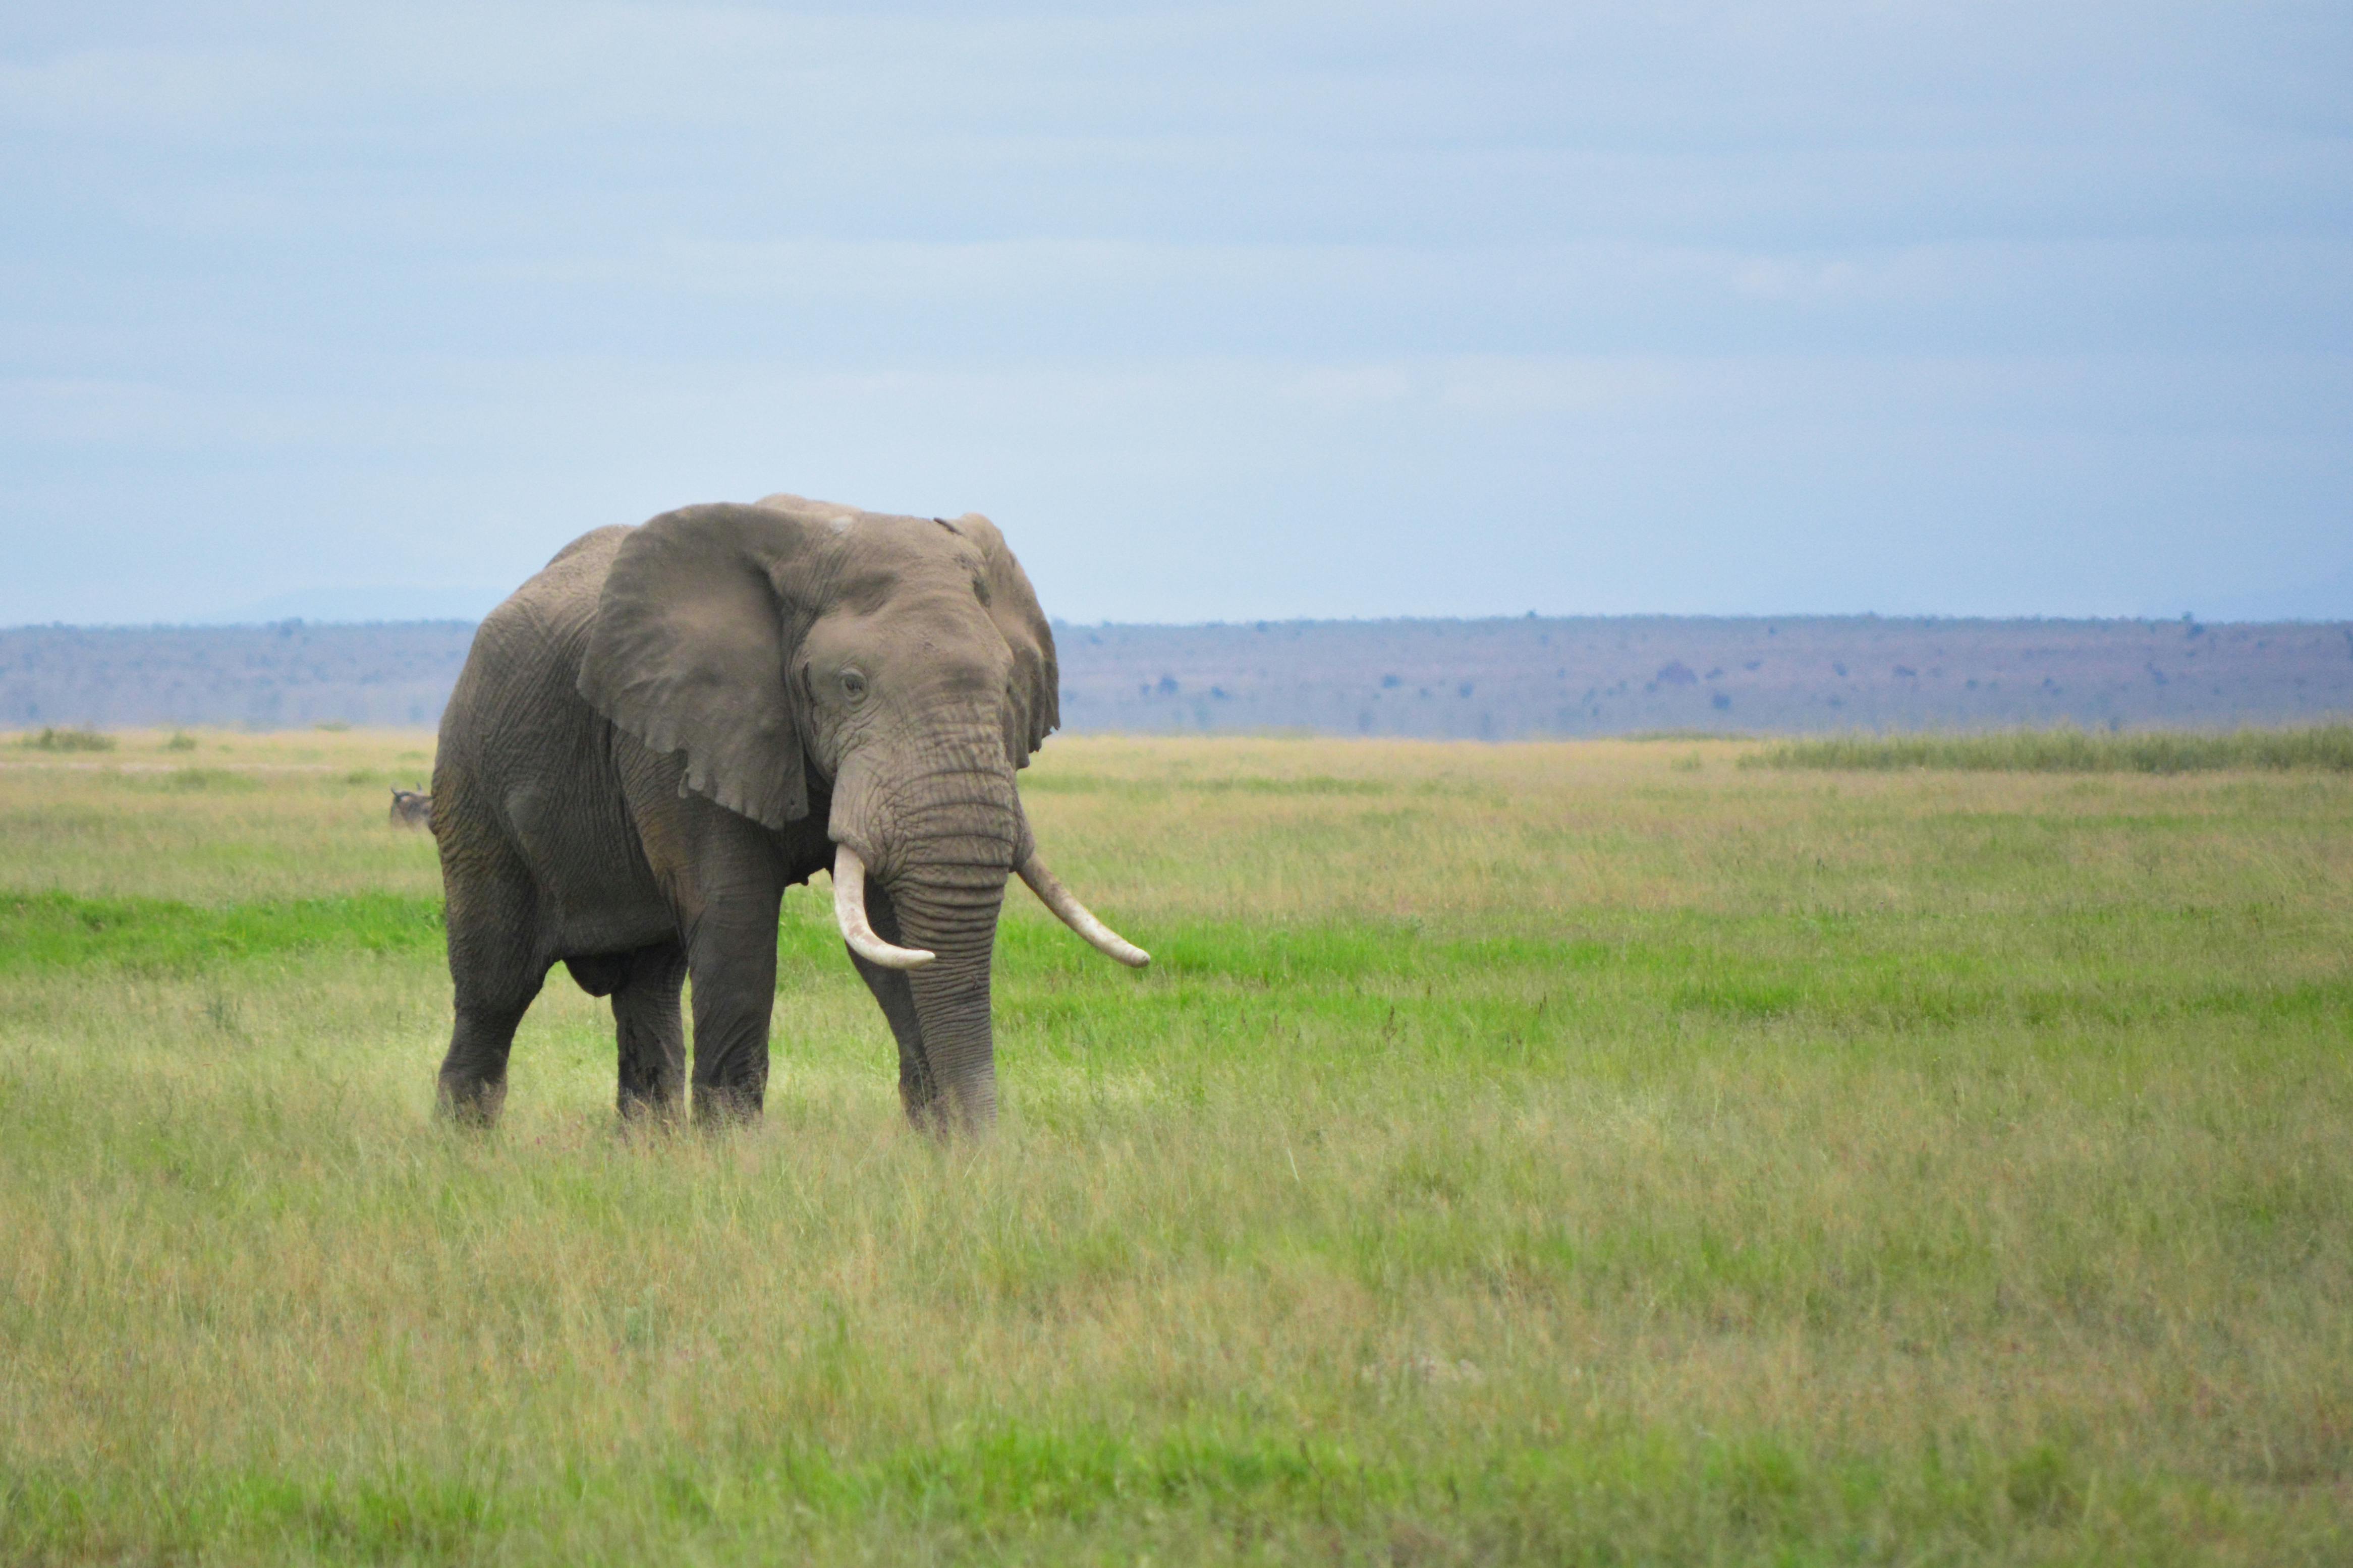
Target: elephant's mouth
[(849, 914)]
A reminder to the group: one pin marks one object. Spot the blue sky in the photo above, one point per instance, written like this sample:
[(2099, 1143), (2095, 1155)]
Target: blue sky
[(1222, 313)]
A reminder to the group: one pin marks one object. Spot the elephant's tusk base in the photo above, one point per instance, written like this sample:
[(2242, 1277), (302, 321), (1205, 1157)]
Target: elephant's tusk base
[(849, 914)]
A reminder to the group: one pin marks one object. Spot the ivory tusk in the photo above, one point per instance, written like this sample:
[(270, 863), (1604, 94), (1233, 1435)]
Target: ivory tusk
[(849, 914), (1074, 914)]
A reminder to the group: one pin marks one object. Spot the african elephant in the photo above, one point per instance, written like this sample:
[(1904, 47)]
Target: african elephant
[(672, 723)]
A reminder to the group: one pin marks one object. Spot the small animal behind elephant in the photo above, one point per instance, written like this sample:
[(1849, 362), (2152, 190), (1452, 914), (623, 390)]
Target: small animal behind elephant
[(672, 723), (411, 809)]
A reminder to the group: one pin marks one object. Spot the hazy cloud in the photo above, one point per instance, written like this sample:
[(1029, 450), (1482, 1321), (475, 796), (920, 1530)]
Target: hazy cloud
[(1834, 305)]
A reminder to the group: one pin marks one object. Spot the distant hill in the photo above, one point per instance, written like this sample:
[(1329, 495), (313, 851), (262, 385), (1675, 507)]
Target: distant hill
[(1497, 680), (1488, 680), (286, 676)]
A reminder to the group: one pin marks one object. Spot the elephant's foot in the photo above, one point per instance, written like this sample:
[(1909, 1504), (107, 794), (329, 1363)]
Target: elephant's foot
[(654, 1110), (721, 1106), (944, 1115), (471, 1102)]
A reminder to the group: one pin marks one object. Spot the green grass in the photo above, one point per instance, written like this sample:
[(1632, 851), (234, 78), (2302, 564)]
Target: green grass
[(2326, 746), (57, 931), (1531, 1153)]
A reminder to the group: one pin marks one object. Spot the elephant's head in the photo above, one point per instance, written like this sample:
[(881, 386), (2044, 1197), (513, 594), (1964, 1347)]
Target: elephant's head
[(903, 663)]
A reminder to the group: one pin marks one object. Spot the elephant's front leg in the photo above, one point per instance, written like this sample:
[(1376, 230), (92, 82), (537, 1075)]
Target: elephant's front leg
[(732, 956), (651, 1035), (918, 1091)]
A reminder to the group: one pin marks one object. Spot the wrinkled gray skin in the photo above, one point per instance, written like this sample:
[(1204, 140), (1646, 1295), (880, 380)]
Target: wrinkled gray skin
[(672, 723)]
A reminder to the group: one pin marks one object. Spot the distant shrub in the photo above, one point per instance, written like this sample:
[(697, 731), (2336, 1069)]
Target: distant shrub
[(181, 741), (337, 725), (69, 741), (2325, 746)]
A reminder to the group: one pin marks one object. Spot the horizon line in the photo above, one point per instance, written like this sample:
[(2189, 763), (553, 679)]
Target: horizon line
[(1263, 622)]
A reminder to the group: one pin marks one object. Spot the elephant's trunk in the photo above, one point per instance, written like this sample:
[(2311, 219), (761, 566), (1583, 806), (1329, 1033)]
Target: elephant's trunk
[(957, 1093), (939, 845)]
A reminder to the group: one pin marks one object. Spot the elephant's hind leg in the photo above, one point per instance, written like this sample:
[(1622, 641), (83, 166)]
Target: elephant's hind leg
[(496, 973), (473, 1084), (651, 1032)]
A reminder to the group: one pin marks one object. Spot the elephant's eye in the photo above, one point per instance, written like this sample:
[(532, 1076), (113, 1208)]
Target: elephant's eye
[(853, 685)]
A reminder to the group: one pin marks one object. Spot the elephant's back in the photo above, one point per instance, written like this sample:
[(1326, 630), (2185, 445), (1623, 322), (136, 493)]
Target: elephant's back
[(516, 729), (593, 549), (534, 636), (560, 602)]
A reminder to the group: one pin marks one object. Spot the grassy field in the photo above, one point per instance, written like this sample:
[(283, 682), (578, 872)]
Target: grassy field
[(1596, 1152), (2071, 751)]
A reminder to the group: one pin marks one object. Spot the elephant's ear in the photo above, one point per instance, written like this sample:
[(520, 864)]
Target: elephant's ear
[(691, 648), (1036, 681)]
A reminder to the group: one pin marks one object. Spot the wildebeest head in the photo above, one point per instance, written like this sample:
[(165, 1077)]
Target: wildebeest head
[(411, 808)]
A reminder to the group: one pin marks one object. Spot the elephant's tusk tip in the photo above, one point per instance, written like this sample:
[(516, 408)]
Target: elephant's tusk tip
[(1074, 914)]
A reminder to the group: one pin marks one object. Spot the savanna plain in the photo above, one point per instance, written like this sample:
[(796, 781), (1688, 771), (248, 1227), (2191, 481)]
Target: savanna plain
[(1587, 1153)]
